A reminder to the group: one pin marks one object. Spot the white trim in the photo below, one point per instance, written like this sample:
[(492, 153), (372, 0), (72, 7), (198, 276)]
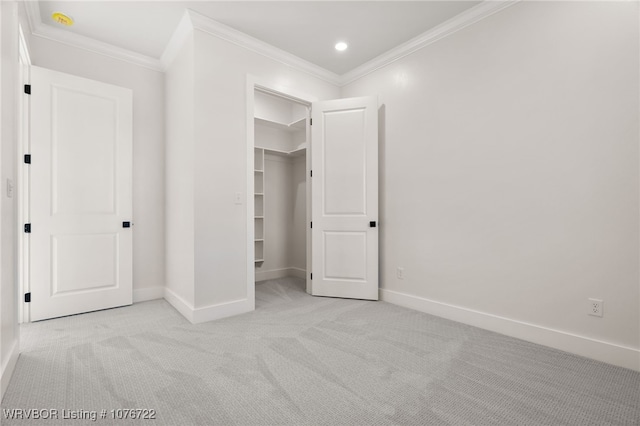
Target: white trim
[(284, 92), (72, 39), (33, 14), (180, 35), (608, 352), (147, 293), (253, 84), (207, 313), (8, 368), (298, 273), (193, 20), (22, 182), (217, 29), (274, 274), (179, 304), (250, 211), (24, 48), (457, 23), (221, 310)]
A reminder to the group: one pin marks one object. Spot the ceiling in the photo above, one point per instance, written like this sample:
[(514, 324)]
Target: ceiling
[(307, 29)]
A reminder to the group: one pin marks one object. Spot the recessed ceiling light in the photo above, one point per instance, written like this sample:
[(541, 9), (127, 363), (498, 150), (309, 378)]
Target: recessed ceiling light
[(340, 46), (62, 19)]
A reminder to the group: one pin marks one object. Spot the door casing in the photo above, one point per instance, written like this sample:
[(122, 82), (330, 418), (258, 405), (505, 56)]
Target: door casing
[(22, 183), (253, 84)]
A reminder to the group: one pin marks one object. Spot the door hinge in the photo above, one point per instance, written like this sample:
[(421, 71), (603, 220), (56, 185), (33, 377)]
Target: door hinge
[(27, 297), (311, 173), (27, 159), (27, 89), (27, 228), (312, 275), (311, 122), (311, 224)]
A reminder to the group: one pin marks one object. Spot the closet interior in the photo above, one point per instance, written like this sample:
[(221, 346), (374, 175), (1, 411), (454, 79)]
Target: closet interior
[(280, 186)]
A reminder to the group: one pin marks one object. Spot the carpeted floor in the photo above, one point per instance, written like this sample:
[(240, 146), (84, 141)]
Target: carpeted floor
[(305, 360)]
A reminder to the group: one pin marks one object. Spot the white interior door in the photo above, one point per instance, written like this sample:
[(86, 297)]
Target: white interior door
[(344, 159), (80, 195)]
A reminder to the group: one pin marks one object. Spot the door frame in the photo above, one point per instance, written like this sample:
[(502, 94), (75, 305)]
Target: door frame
[(253, 84), (22, 180)]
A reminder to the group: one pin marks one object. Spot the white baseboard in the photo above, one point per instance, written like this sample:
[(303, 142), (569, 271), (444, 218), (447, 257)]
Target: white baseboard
[(181, 305), (298, 273), (207, 313), (9, 367), (274, 274), (148, 293), (580, 345), (221, 310)]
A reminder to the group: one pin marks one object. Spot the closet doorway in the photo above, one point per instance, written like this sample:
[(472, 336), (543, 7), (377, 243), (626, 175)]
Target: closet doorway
[(281, 132), (312, 191)]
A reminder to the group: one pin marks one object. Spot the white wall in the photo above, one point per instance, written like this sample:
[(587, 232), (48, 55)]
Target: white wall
[(220, 133), (509, 180), (148, 149), (180, 159), (9, 88)]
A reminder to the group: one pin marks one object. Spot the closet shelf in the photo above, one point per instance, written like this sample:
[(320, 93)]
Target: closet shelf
[(301, 150), (299, 124), (258, 212), (295, 126)]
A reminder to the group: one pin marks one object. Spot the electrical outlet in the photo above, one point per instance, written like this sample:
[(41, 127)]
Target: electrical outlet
[(400, 273), (595, 307)]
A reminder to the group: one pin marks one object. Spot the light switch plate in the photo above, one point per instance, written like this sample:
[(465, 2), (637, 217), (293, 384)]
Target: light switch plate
[(9, 188)]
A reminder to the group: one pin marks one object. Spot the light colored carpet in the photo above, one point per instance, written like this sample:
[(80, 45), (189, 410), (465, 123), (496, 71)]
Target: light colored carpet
[(305, 360)]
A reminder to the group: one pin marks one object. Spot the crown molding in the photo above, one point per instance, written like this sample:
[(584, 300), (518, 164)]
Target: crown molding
[(192, 20), (217, 29), (453, 25), (179, 36), (40, 29)]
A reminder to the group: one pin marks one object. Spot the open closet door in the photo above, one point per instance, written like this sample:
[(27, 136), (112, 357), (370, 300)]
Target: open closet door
[(80, 195), (344, 161)]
